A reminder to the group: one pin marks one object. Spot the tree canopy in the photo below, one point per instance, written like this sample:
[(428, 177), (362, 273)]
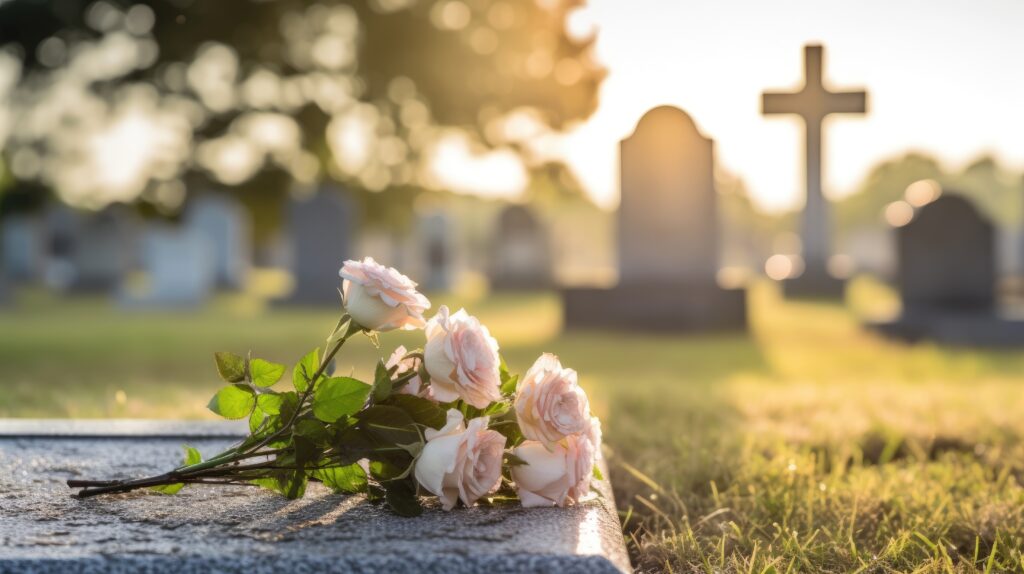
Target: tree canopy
[(115, 100)]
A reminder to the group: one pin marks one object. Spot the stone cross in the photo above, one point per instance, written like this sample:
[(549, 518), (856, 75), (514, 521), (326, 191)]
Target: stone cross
[(813, 102)]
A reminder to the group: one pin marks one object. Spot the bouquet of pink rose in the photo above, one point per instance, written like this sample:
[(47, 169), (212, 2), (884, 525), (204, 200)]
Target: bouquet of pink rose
[(447, 420)]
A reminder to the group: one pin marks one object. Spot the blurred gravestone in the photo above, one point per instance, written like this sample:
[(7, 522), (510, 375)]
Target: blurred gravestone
[(320, 229), (521, 254), (947, 278), (668, 237), (226, 224), (178, 263), (89, 251), (436, 238), (21, 241)]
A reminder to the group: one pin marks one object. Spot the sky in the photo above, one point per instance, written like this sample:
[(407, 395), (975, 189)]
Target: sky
[(943, 77)]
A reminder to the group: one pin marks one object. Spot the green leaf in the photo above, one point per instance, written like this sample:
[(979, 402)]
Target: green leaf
[(338, 397), (401, 497), (383, 470), (421, 410), (508, 426), (233, 402), (597, 473), (389, 425), (496, 409), (313, 430), (265, 373), (256, 420), (302, 374), (508, 382), (346, 479), (340, 330), (230, 366), (168, 488), (277, 403), (306, 452), (382, 386), (192, 456), (290, 483)]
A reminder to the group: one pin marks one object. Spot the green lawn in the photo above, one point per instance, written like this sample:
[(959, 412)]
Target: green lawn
[(808, 446)]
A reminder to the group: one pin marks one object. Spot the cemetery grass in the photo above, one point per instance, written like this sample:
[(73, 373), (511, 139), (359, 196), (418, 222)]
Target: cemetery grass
[(809, 446)]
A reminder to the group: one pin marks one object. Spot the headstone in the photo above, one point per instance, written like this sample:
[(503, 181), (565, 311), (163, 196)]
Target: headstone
[(521, 253), (246, 530), (21, 247), (227, 225), (178, 263), (947, 278), (813, 103), (436, 238), (89, 251), (320, 229), (668, 237)]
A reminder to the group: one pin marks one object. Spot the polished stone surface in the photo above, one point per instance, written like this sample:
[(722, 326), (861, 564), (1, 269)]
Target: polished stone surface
[(238, 529)]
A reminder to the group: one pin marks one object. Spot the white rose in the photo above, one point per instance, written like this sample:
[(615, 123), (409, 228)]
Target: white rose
[(558, 476), (380, 298), (462, 359), (404, 365), (550, 405), (460, 462)]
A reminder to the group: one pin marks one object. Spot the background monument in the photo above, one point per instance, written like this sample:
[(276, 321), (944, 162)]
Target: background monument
[(947, 278), (812, 103), (320, 226), (520, 251), (668, 237)]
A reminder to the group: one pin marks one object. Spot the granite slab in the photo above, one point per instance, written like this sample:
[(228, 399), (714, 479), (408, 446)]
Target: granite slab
[(44, 528)]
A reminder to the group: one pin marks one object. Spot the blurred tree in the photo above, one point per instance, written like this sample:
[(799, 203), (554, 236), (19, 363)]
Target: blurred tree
[(884, 184), (997, 191), (165, 91)]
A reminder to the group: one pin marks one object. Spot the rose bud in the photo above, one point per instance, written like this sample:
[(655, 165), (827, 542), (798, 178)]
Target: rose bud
[(460, 462), (462, 359), (558, 476), (550, 405), (404, 365), (380, 298)]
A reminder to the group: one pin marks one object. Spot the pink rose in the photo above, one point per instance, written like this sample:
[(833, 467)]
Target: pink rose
[(380, 298), (560, 475), (460, 462), (549, 404), (462, 359), (404, 366)]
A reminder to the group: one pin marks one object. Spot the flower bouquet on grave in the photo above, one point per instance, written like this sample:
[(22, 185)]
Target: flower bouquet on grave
[(448, 420)]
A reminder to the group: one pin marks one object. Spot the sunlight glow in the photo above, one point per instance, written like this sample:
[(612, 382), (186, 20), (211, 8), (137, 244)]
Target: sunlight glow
[(454, 163), (954, 100)]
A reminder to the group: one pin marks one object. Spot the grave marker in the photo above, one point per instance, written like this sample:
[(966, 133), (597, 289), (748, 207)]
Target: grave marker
[(21, 242), (521, 254), (227, 225), (89, 252), (245, 530), (668, 237), (436, 236), (947, 278), (179, 268), (320, 227), (813, 103)]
